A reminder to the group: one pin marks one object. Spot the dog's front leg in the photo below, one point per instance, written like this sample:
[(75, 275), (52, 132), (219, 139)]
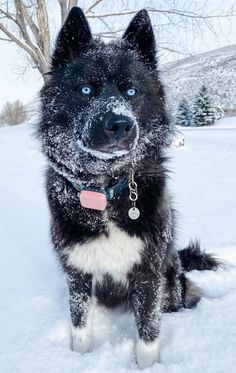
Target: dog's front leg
[(80, 293), (146, 302)]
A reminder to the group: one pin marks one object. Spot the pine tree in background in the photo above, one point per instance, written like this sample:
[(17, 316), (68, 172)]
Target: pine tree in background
[(203, 112), (219, 112), (184, 114)]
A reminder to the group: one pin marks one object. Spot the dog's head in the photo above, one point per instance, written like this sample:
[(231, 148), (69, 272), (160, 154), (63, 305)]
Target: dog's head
[(103, 107)]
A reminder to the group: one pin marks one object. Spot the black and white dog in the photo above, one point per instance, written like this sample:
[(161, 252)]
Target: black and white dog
[(103, 128)]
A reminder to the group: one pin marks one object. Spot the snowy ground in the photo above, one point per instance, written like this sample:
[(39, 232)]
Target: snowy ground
[(34, 327)]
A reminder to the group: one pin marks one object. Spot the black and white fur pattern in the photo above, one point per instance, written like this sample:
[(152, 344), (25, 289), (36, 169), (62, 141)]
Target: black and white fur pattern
[(108, 257)]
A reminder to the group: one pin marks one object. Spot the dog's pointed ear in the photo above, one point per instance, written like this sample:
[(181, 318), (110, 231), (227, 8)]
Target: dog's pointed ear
[(140, 36), (73, 38)]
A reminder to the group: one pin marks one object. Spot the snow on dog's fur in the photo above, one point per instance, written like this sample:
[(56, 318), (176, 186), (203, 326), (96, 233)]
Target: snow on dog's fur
[(103, 118)]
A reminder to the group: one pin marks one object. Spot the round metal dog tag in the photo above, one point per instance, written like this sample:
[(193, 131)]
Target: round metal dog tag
[(134, 213)]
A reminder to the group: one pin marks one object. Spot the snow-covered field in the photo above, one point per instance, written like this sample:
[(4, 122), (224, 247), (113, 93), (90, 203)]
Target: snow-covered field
[(34, 326)]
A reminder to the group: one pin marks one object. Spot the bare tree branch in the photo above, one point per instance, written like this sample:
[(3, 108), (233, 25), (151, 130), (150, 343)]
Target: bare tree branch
[(8, 15), (20, 20), (63, 7), (30, 21), (17, 41), (44, 32), (153, 10), (93, 6), (27, 45), (3, 39)]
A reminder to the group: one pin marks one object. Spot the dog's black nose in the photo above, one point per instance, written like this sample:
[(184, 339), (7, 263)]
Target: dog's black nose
[(118, 127)]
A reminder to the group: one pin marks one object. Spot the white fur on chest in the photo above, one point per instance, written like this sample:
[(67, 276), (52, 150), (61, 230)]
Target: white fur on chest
[(115, 255)]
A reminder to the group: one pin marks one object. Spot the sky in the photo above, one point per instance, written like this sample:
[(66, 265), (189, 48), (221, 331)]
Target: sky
[(15, 83)]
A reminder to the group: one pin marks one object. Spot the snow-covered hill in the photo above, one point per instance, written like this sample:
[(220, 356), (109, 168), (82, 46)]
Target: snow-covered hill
[(215, 69), (34, 312)]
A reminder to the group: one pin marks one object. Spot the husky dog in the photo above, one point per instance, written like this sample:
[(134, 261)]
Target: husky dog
[(103, 129)]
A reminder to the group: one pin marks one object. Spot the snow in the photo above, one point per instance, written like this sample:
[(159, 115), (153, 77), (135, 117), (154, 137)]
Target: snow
[(34, 312), (100, 154), (225, 123)]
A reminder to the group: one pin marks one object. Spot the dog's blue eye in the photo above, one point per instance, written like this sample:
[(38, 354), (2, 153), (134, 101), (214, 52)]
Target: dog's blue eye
[(131, 92), (86, 90)]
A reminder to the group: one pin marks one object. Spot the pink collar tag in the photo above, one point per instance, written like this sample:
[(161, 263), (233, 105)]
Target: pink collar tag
[(93, 200)]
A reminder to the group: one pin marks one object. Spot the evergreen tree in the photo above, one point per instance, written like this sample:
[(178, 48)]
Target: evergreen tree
[(219, 112), (184, 114), (203, 112)]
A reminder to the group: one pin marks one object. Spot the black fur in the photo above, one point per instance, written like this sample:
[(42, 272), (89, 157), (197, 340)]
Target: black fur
[(80, 290), (73, 38), (140, 35), (74, 137), (193, 258)]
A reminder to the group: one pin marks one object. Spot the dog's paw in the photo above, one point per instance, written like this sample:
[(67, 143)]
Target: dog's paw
[(147, 353), (81, 339)]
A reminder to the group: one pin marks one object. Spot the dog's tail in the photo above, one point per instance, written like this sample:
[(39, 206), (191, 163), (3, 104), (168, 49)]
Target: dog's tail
[(193, 258)]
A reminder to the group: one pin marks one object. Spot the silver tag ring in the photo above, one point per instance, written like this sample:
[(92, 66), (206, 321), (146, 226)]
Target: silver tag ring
[(133, 196)]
